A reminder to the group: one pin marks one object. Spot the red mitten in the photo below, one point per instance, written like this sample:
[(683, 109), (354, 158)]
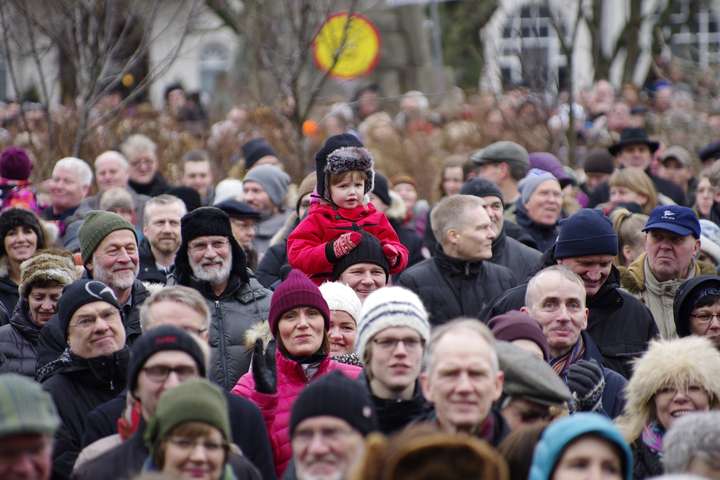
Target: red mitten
[(345, 243), (392, 254)]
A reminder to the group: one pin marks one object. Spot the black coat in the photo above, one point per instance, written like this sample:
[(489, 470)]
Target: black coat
[(613, 397), (9, 297), (646, 463), (451, 288), (125, 462), (601, 193), (543, 235), (394, 415), (246, 423), (157, 186), (274, 266), (52, 341), (18, 343), (148, 268), (411, 240), (522, 260), (619, 323), (77, 386)]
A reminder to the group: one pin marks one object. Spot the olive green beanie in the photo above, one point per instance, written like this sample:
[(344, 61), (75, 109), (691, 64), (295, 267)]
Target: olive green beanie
[(196, 400), (99, 224)]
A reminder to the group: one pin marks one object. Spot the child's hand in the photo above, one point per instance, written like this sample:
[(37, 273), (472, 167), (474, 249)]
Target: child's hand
[(392, 254), (345, 243)]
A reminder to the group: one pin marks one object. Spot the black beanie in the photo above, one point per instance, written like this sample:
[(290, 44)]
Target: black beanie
[(331, 144), (480, 187), (79, 293), (586, 232), (17, 217), (690, 293), (162, 338), (201, 222), (335, 395), (254, 150), (369, 251), (381, 188), (189, 196)]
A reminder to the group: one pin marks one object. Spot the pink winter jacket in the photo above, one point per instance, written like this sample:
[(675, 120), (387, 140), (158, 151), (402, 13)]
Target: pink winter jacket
[(276, 407)]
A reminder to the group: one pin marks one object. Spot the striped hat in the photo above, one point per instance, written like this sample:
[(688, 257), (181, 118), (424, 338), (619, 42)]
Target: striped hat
[(390, 307), (25, 407)]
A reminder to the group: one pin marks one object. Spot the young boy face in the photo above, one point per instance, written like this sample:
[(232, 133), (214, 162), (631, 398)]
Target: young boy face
[(347, 189)]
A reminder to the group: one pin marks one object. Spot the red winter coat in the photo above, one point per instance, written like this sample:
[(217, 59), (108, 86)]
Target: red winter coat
[(307, 243), (276, 407)]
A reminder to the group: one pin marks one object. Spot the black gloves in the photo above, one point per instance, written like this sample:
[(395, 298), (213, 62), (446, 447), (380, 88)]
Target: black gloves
[(586, 381), (263, 368)]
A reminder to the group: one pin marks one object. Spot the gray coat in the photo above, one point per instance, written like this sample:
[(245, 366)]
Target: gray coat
[(18, 343)]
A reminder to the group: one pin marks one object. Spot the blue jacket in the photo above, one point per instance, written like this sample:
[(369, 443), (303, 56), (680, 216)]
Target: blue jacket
[(561, 433)]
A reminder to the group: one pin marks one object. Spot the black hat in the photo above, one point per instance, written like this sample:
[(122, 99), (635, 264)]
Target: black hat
[(162, 338), (254, 150), (381, 188), (237, 209), (335, 395), (711, 151), (481, 187), (17, 217), (369, 251), (331, 144), (206, 221), (189, 196), (79, 293), (632, 136), (690, 293), (599, 160)]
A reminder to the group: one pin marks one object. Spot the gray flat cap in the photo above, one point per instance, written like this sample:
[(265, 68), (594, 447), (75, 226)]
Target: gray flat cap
[(504, 151)]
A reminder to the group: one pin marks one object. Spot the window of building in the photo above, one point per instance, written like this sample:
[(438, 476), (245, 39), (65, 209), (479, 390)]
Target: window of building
[(214, 60), (693, 32)]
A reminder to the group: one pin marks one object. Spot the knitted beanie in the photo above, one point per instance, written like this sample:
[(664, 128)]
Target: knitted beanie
[(381, 188), (516, 325), (391, 307), (158, 339), (15, 164), (25, 407), (586, 232), (532, 181), (369, 251), (335, 395), (481, 187), (17, 217), (79, 293), (274, 181), (321, 159), (99, 224), (254, 150), (297, 290), (53, 265), (341, 297), (195, 400)]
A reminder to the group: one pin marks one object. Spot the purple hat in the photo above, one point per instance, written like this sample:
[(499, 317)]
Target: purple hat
[(15, 164), (550, 163), (516, 325), (296, 291)]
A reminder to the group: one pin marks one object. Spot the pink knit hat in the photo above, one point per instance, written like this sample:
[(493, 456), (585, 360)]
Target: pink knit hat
[(296, 291)]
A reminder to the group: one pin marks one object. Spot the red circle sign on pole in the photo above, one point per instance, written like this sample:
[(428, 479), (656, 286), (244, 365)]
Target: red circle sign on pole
[(347, 46)]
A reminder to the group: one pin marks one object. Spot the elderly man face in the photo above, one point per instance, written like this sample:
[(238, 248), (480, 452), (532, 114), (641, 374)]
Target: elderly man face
[(494, 209), (462, 380), (210, 258), (95, 330), (669, 254), (637, 155), (111, 170), (325, 447), (116, 261), (592, 269), (143, 166), (180, 315), (66, 189), (26, 457), (545, 204)]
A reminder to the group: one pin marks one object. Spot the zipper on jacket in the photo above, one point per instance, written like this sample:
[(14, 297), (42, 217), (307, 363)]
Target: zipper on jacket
[(221, 344)]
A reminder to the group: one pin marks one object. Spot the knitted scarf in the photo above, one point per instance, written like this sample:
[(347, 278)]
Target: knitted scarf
[(562, 363), (652, 437)]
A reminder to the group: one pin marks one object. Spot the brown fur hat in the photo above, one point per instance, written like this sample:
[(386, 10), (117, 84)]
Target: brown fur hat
[(51, 265)]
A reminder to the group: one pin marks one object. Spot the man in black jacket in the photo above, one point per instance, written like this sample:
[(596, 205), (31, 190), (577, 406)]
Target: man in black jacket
[(522, 260), (458, 281), (618, 322), (161, 227), (93, 371)]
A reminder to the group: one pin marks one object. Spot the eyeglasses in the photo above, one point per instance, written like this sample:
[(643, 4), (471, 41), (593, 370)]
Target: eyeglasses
[(706, 317), (216, 245), (160, 373), (187, 445), (390, 344)]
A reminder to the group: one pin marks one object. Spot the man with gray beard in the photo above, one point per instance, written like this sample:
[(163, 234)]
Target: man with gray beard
[(211, 261), (109, 251)]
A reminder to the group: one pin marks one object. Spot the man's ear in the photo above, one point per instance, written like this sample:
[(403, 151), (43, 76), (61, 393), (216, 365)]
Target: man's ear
[(499, 382), (425, 385)]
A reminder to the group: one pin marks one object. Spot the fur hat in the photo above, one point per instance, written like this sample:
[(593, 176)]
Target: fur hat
[(677, 362), (341, 297), (342, 153), (53, 265), (391, 307)]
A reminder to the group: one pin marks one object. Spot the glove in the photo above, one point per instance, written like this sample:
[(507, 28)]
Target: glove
[(586, 382), (263, 368), (345, 243), (392, 254)]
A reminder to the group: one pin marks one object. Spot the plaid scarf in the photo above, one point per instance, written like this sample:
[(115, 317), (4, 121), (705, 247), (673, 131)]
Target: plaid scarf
[(562, 363)]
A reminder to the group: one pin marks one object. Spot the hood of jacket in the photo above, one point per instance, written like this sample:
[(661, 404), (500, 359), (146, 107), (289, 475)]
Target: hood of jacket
[(20, 320), (561, 433), (682, 307)]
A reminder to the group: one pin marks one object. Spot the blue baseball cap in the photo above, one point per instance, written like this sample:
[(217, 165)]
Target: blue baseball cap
[(675, 219)]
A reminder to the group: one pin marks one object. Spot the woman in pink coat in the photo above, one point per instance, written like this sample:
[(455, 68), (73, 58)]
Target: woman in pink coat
[(299, 321)]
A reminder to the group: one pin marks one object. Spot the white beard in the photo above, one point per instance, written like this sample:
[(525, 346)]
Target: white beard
[(116, 281), (212, 275)]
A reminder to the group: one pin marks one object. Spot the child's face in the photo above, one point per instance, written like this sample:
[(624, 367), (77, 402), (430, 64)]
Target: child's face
[(347, 191)]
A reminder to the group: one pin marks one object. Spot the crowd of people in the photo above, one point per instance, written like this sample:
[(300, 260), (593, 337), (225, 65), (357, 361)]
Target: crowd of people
[(537, 320)]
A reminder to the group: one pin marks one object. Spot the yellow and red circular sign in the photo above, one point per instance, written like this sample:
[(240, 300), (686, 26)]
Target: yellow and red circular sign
[(358, 44)]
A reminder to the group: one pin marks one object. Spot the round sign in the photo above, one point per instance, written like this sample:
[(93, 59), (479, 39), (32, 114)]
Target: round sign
[(358, 44)]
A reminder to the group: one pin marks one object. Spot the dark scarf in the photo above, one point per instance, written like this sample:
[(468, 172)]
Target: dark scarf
[(562, 363)]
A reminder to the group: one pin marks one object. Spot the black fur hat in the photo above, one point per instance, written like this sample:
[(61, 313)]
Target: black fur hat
[(342, 153)]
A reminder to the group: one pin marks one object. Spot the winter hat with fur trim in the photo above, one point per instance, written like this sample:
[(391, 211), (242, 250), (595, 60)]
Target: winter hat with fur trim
[(342, 153), (52, 265), (341, 297), (391, 307)]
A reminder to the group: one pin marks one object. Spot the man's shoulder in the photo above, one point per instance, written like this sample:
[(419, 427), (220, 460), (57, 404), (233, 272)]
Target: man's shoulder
[(419, 269)]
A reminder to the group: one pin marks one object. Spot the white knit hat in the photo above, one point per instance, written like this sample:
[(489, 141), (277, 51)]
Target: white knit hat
[(391, 307), (341, 297)]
